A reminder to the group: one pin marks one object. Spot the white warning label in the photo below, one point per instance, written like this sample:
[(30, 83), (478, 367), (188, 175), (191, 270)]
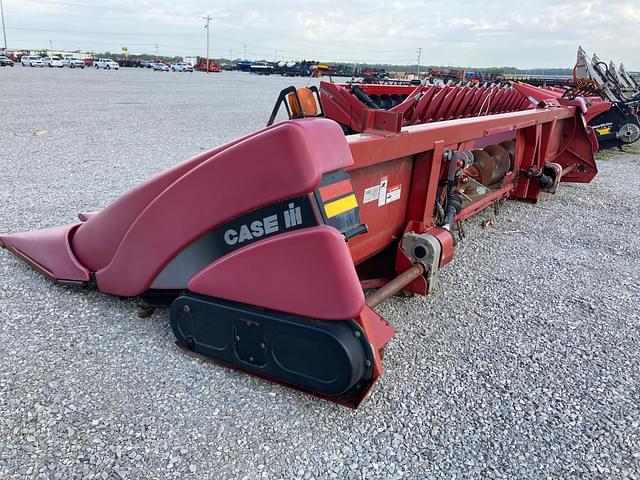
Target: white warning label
[(394, 193), (382, 193), (371, 194)]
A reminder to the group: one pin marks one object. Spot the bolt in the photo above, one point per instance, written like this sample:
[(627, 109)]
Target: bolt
[(367, 363), (251, 359), (262, 345), (357, 334), (186, 308), (237, 338), (190, 343)]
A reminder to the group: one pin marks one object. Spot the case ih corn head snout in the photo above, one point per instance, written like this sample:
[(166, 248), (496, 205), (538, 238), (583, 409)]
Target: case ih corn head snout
[(274, 236)]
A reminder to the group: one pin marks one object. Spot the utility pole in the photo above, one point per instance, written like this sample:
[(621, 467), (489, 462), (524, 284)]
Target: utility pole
[(51, 47), (4, 32), (245, 51), (419, 54), (208, 20), (156, 47)]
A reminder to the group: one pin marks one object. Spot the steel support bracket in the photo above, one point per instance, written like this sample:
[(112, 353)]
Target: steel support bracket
[(425, 249)]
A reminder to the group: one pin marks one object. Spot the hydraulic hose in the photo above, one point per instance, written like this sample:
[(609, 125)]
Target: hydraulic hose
[(454, 205)]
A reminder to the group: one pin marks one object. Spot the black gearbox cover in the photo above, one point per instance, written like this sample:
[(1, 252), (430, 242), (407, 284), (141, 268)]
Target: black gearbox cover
[(329, 358)]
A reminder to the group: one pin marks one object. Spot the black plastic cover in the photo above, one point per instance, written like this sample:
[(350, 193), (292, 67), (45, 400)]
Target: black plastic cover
[(328, 358)]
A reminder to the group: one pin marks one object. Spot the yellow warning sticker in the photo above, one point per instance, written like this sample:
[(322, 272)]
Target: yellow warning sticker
[(604, 131), (340, 206)]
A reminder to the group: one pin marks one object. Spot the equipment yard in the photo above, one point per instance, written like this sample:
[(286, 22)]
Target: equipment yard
[(522, 364)]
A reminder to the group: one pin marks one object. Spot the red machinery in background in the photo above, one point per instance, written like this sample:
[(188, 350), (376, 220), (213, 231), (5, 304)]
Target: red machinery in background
[(263, 246), (201, 65)]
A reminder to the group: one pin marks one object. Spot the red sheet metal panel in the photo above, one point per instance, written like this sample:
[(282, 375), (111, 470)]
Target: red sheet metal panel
[(308, 272), (96, 242), (48, 251), (305, 150), (382, 191)]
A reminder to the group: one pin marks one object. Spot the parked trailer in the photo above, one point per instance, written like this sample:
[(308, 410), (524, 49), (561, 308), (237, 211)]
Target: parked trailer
[(262, 247)]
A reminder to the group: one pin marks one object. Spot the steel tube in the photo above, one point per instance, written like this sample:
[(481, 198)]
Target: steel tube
[(394, 286), (568, 169), (484, 202)]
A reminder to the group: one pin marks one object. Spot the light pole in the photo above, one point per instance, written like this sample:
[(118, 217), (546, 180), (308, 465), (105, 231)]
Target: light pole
[(4, 32), (419, 54), (208, 19)]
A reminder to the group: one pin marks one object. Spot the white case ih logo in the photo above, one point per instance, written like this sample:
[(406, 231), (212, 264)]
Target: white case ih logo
[(266, 226), (292, 216)]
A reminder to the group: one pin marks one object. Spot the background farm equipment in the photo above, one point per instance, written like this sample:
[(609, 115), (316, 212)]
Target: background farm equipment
[(613, 84), (201, 65), (261, 68), (446, 75), (262, 247), (619, 125), (596, 81), (294, 69)]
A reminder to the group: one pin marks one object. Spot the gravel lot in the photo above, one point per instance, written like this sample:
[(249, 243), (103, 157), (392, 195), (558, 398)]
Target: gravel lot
[(524, 363)]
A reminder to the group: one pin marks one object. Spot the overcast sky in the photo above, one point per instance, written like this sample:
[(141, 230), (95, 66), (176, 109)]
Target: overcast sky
[(525, 34)]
